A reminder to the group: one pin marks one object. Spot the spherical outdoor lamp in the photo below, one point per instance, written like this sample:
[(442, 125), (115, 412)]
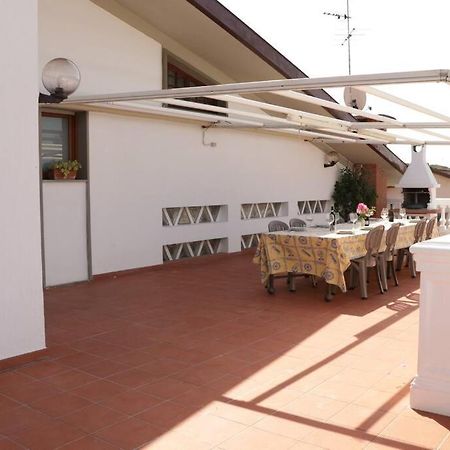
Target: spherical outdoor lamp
[(61, 78)]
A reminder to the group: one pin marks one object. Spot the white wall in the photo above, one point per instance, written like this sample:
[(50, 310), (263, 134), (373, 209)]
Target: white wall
[(140, 165), (65, 231), (111, 55), (21, 305)]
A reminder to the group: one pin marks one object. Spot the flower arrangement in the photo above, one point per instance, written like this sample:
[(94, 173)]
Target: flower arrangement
[(66, 169), (364, 212)]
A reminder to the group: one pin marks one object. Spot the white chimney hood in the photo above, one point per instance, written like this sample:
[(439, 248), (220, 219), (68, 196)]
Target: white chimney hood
[(418, 174)]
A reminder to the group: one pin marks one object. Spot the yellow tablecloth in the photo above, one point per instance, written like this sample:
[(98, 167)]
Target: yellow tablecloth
[(326, 256)]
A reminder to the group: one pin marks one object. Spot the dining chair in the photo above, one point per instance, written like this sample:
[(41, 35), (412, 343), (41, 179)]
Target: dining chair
[(371, 259), (274, 226), (277, 225), (418, 237), (430, 228), (297, 223), (388, 256)]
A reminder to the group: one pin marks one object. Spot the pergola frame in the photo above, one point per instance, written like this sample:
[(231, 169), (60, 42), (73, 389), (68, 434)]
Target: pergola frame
[(320, 128)]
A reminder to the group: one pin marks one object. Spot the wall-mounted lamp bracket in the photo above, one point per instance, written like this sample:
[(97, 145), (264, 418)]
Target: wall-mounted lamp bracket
[(51, 98)]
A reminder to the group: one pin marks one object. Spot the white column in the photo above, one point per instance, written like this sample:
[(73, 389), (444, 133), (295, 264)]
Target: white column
[(430, 390), (442, 221), (21, 304)]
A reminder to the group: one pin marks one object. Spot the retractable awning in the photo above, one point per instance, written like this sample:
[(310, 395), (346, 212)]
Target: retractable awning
[(244, 112)]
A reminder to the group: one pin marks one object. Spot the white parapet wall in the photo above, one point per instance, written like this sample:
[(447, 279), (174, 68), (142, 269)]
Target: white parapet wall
[(430, 390), (21, 303), (65, 231)]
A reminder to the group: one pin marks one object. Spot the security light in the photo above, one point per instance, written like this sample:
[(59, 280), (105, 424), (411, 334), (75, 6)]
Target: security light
[(61, 78), (331, 159)]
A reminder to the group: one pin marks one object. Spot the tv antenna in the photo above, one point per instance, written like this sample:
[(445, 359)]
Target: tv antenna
[(350, 31), (352, 97)]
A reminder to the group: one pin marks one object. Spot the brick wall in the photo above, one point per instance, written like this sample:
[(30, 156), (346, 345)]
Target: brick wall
[(379, 181)]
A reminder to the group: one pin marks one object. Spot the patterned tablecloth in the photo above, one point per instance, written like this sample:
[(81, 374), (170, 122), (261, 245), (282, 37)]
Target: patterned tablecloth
[(319, 253)]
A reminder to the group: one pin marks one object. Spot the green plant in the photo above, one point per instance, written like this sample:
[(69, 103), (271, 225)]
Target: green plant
[(352, 188), (66, 167)]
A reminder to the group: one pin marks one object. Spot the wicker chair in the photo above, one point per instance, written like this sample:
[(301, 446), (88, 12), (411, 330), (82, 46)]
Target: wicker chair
[(430, 228), (388, 256), (370, 259), (277, 225), (418, 237), (274, 226), (297, 223)]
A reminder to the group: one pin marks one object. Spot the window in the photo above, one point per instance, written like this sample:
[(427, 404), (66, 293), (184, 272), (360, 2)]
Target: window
[(179, 75), (63, 136), (57, 139)]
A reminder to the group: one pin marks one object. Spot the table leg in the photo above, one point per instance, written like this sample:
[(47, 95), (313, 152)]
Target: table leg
[(291, 282), (269, 286), (400, 256), (329, 292)]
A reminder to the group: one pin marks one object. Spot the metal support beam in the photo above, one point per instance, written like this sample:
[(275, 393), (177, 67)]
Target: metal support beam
[(410, 125), (422, 76), (402, 102), (405, 142)]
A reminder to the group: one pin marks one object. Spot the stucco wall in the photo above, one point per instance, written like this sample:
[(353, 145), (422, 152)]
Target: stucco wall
[(65, 231), (444, 190), (21, 305), (111, 55), (139, 166)]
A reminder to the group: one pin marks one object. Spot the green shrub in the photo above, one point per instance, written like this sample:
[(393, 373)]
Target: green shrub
[(351, 188)]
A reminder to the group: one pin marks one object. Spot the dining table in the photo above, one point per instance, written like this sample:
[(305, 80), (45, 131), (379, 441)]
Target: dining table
[(319, 252)]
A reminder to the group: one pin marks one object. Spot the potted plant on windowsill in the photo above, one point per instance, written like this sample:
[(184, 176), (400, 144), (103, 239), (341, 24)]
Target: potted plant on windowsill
[(65, 170)]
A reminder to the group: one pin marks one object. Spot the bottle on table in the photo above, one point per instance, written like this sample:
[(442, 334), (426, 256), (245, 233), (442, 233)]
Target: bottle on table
[(332, 220), (391, 214)]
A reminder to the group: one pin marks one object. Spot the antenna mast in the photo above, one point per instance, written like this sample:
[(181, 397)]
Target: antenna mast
[(349, 35), (347, 39)]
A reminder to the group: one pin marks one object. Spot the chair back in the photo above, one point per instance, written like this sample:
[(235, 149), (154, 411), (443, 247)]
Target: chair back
[(429, 228), (277, 225), (391, 239), (373, 243), (418, 231), (297, 223)]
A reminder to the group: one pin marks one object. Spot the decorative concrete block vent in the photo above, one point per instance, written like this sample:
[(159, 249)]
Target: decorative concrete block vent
[(191, 215), (313, 206), (249, 240), (263, 210), (182, 250)]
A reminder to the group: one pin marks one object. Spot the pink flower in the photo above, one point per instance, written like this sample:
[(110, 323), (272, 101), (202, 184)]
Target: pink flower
[(362, 208)]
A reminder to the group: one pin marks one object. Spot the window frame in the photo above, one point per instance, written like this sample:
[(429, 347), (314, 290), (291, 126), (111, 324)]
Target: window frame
[(72, 131), (190, 73)]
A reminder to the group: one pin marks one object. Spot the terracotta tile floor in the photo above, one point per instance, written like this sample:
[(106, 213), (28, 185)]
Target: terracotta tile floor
[(195, 355)]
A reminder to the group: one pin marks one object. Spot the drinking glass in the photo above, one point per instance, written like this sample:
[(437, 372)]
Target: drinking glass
[(402, 213), (353, 219), (384, 213), (309, 219)]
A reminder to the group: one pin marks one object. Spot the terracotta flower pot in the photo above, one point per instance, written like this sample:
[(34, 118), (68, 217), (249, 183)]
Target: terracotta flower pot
[(58, 175)]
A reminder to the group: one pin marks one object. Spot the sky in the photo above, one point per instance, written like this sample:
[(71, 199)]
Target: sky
[(389, 36)]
